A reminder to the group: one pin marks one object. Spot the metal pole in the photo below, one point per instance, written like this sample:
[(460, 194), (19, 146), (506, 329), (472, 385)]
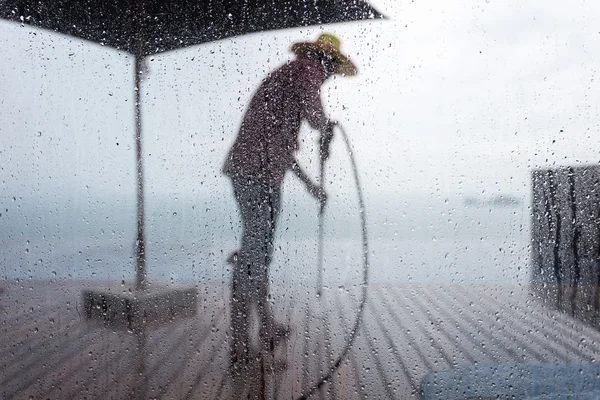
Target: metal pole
[(140, 244)]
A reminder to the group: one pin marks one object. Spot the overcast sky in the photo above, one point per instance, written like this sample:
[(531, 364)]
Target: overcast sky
[(453, 97)]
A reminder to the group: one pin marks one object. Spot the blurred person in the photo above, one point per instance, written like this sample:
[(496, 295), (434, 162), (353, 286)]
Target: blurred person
[(262, 153)]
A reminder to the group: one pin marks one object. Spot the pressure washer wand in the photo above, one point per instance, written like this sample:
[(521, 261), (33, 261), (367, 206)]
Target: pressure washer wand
[(320, 234)]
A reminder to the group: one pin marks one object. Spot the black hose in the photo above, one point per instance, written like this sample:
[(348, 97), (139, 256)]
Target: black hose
[(363, 300)]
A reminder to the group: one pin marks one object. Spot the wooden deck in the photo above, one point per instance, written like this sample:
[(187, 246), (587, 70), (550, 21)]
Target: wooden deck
[(48, 350)]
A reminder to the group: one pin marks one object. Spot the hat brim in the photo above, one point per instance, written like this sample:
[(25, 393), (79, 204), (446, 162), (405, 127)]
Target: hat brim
[(344, 67)]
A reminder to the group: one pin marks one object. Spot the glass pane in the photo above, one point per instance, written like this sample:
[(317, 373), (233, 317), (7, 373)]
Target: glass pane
[(253, 200)]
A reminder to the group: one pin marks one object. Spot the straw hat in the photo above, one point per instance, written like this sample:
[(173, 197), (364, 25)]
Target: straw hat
[(328, 44)]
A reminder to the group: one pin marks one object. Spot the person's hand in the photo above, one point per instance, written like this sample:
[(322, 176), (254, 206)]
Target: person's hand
[(319, 193), (326, 137)]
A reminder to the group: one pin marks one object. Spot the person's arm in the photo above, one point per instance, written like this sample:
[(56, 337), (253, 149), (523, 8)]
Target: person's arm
[(313, 112), (316, 190), (312, 107), (299, 172)]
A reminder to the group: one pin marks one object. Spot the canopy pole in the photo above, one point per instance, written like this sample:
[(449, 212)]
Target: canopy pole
[(140, 243)]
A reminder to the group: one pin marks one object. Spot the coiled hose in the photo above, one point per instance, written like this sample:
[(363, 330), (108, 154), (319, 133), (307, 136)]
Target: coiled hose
[(365, 252)]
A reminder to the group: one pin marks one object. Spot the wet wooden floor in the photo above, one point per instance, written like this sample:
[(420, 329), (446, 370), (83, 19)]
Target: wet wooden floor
[(48, 350)]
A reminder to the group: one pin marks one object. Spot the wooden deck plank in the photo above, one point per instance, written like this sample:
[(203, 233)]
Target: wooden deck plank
[(290, 383), (507, 332), (385, 366), (321, 358), (24, 374), (126, 377), (565, 330), (90, 361), (209, 341), (28, 332), (370, 364), (162, 355), (301, 349), (285, 313), (314, 362), (208, 383), (533, 329), (348, 376), (190, 370), (397, 345), (306, 353), (211, 359), (329, 344), (93, 380), (184, 362), (438, 336), (33, 331), (407, 332), (493, 348), (421, 323), (465, 333), (415, 358), (193, 373)]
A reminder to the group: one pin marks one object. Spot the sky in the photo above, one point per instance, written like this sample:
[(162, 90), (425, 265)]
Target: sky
[(453, 98)]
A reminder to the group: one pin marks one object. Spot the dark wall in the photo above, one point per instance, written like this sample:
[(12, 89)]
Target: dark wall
[(565, 240)]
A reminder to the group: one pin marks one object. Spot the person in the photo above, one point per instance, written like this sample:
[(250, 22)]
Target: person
[(262, 153)]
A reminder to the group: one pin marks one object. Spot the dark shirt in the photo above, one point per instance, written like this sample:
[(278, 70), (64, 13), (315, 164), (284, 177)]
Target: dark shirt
[(268, 137)]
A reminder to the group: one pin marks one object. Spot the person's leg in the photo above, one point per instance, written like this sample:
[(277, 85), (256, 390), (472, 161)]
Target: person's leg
[(273, 201), (258, 245), (269, 211), (240, 318), (259, 207), (241, 358)]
